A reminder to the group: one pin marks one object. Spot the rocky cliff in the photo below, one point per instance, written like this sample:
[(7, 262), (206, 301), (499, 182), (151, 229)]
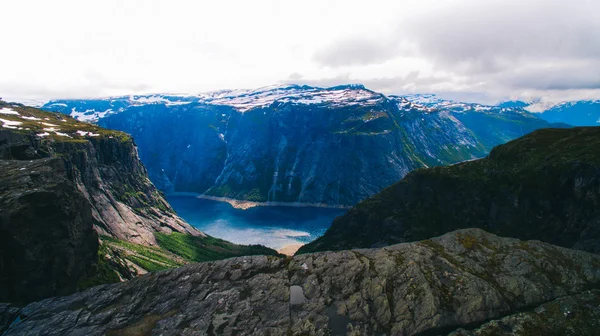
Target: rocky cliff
[(463, 278), (62, 183), (545, 185), (293, 143), (103, 166)]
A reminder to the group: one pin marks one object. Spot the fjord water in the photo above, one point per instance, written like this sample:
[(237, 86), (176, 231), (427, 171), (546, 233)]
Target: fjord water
[(271, 226)]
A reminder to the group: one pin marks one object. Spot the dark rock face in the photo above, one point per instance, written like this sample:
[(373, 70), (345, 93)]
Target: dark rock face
[(332, 146), (464, 277), (46, 231), (8, 314), (545, 185)]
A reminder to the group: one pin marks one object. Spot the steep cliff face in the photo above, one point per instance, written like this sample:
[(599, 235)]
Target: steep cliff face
[(62, 183), (104, 167), (333, 146), (434, 286), (46, 236), (545, 185)]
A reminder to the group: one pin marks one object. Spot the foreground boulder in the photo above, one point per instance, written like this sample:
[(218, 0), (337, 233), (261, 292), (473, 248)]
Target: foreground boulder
[(462, 278), (545, 185)]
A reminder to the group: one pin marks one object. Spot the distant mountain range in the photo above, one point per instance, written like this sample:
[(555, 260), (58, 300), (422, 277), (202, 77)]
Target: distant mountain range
[(291, 143), (576, 113)]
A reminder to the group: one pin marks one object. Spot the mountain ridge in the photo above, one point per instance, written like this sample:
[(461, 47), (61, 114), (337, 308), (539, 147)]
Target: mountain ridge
[(299, 144)]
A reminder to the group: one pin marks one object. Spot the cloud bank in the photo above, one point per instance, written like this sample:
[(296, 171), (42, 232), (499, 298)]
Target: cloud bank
[(487, 49)]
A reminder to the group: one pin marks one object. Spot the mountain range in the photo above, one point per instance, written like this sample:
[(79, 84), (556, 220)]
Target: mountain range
[(301, 144), (576, 113)]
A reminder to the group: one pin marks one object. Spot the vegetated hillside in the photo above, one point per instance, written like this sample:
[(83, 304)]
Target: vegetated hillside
[(545, 185), (461, 279), (334, 146), (62, 183)]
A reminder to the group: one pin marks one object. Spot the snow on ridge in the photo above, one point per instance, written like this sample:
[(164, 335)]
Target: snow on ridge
[(10, 123), (152, 99), (85, 133), (6, 110), (431, 102), (30, 118), (538, 107), (298, 95), (89, 115)]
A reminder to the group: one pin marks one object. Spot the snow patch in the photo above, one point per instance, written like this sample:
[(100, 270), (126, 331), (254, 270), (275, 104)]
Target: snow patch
[(10, 123), (30, 118), (6, 110), (84, 133)]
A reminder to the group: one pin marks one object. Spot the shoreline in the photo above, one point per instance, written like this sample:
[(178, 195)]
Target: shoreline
[(290, 249), (245, 205)]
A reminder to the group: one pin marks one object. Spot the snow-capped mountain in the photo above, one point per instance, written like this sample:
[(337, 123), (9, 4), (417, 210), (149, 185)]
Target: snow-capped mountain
[(292, 143), (433, 102), (576, 113), (241, 100)]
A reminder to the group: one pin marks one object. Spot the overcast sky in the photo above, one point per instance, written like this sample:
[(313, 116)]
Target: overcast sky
[(478, 50)]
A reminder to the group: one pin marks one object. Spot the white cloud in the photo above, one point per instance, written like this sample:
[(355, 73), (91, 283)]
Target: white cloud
[(479, 48)]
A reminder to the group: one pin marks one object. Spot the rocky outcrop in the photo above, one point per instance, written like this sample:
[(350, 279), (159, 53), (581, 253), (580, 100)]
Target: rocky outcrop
[(46, 231), (8, 314), (545, 185), (462, 278), (577, 315), (334, 146), (104, 168)]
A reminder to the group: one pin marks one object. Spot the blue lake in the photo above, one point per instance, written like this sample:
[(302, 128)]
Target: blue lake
[(272, 226)]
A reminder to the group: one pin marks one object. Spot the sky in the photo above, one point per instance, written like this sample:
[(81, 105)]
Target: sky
[(472, 50)]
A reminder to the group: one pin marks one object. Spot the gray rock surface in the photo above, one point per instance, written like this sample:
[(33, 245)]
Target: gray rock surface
[(464, 277), (8, 314), (576, 315)]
